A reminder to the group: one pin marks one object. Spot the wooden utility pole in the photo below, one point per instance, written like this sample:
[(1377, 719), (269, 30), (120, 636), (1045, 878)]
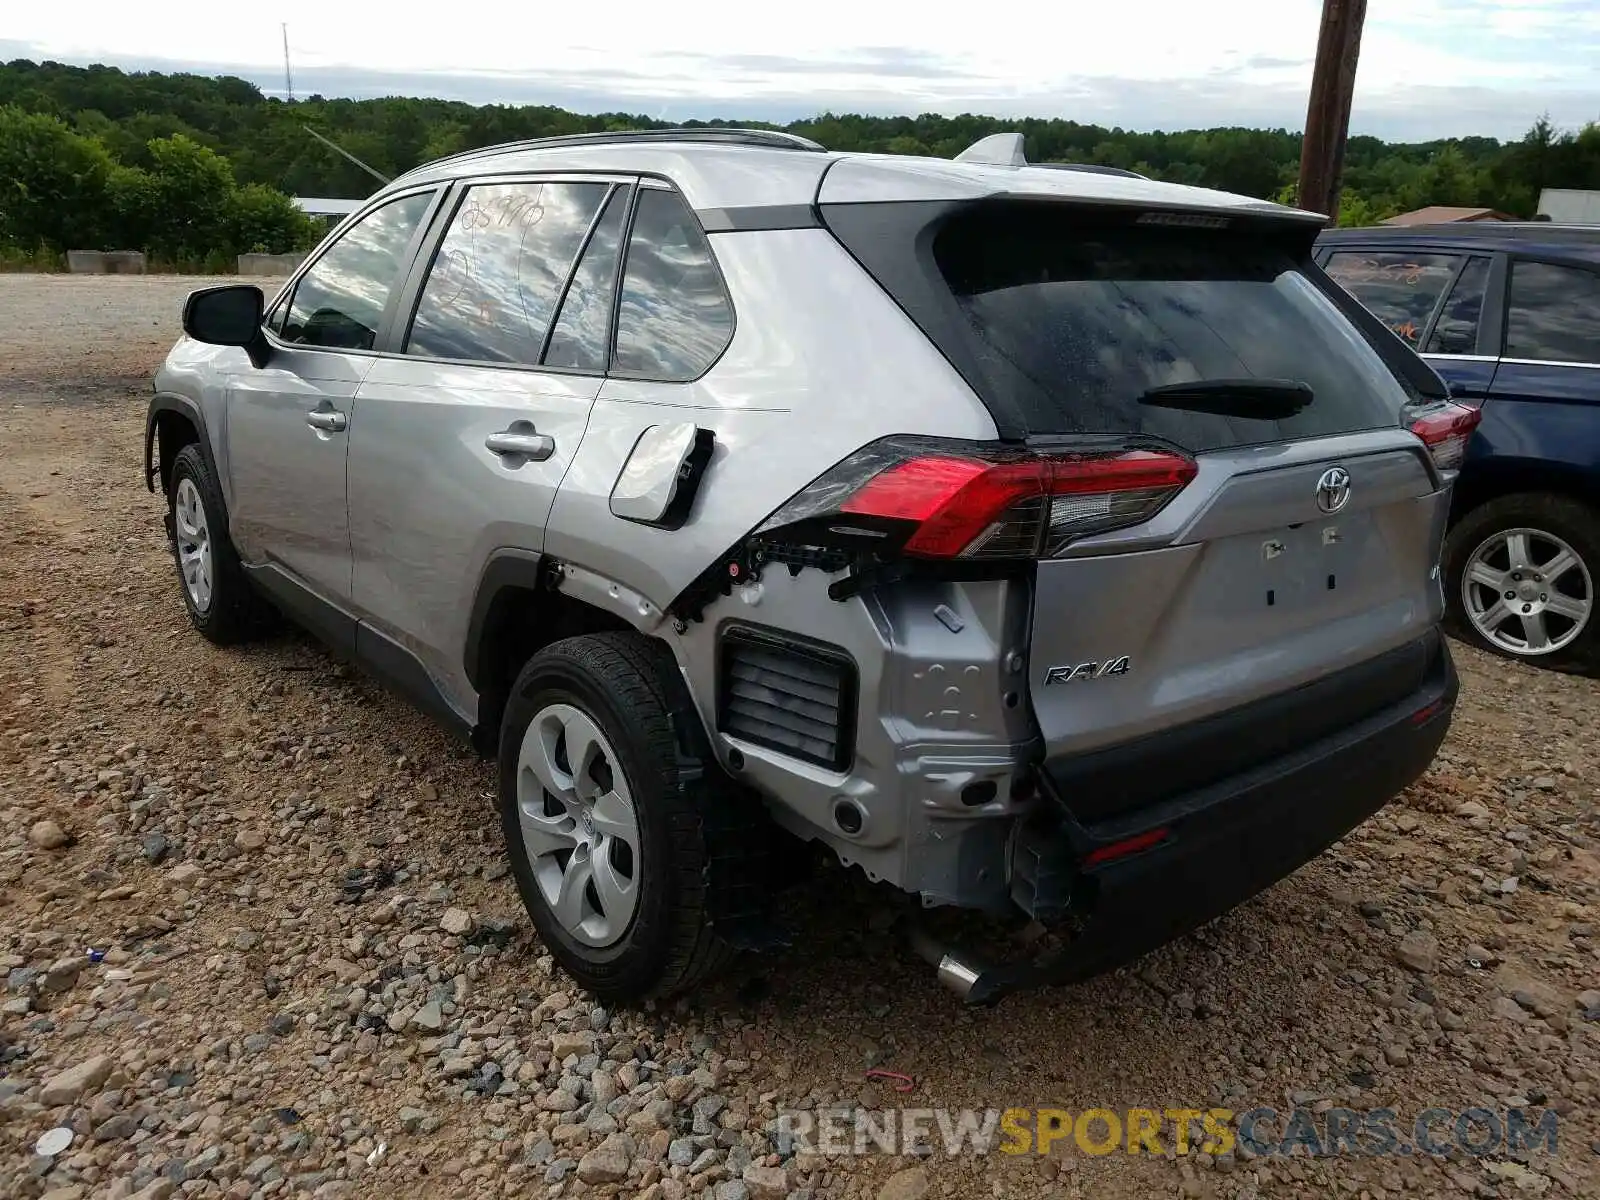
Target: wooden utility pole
[(1333, 83)]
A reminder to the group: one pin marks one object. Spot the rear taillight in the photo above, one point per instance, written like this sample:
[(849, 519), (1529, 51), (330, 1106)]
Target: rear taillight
[(1446, 431), (945, 501)]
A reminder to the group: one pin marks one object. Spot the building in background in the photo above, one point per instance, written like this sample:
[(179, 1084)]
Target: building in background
[(326, 212), (1438, 214), (318, 207), (1568, 206)]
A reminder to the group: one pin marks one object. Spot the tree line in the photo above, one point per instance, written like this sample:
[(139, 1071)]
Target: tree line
[(191, 167)]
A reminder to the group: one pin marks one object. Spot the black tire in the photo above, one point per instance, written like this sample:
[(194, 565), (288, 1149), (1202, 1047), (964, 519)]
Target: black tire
[(628, 686), (236, 613), (1575, 523)]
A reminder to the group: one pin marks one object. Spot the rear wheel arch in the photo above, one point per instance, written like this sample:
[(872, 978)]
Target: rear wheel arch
[(516, 612), (1488, 482)]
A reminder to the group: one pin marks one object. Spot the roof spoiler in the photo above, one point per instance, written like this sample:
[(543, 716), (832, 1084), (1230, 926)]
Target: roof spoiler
[(998, 150), (1006, 150)]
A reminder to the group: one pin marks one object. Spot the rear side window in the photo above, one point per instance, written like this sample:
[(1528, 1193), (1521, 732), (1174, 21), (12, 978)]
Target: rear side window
[(339, 301), (673, 316), (1554, 313), (1399, 288), (1081, 318), (494, 284), (1457, 329)]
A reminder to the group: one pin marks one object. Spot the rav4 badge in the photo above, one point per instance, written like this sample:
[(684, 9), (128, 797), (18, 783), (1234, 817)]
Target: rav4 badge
[(1087, 670)]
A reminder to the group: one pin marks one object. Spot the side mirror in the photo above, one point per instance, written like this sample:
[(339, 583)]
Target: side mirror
[(229, 315)]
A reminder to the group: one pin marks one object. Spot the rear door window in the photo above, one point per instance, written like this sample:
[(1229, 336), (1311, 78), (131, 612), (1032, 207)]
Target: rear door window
[(583, 328), (1400, 288), (1554, 313), (495, 281), (1081, 319), (1456, 331)]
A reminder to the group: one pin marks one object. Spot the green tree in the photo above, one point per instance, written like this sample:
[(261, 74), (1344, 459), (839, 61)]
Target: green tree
[(133, 210), (52, 183), (263, 221), (192, 188), (1357, 210), (70, 134)]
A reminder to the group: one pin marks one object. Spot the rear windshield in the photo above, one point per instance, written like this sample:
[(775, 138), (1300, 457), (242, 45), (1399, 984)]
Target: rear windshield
[(1076, 319)]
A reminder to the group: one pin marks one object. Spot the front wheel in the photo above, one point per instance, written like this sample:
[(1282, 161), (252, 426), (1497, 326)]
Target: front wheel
[(605, 819), (1520, 575), (218, 598)]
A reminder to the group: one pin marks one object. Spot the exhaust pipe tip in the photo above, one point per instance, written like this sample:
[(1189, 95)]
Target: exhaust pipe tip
[(960, 977)]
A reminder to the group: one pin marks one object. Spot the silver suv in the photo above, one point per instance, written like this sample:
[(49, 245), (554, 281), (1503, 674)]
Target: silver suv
[(1053, 543)]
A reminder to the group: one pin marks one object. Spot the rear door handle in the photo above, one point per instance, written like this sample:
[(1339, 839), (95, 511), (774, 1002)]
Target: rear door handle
[(327, 420), (522, 442)]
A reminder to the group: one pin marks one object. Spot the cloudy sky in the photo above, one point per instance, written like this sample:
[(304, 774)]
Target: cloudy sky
[(1428, 67)]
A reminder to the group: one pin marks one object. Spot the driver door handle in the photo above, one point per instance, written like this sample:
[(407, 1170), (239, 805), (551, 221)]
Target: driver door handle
[(327, 420), (536, 447)]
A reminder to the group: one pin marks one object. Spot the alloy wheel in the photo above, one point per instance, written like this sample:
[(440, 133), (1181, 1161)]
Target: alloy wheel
[(1527, 591), (579, 826), (194, 544)]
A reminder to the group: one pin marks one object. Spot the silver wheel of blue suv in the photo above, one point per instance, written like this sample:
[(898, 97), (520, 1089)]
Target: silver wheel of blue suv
[(1056, 544)]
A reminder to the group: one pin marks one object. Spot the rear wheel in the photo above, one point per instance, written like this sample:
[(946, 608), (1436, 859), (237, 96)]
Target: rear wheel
[(1520, 576), (608, 820)]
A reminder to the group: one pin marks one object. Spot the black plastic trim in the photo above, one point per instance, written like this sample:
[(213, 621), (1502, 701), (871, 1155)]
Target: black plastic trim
[(506, 568), (403, 673), (355, 641), (624, 242), (327, 622), (753, 217), (164, 402), (577, 262), (824, 653), (1496, 297)]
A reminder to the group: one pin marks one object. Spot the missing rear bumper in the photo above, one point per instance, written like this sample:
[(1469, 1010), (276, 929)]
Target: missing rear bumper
[(1220, 846)]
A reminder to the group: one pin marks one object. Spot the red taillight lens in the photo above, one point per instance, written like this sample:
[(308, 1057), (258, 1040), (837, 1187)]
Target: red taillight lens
[(987, 503), (954, 501), (1446, 432)]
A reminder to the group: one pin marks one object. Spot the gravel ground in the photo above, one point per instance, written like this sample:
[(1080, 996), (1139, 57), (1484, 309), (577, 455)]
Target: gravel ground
[(317, 979)]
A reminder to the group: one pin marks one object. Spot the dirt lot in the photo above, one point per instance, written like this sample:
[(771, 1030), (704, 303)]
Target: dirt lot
[(317, 979)]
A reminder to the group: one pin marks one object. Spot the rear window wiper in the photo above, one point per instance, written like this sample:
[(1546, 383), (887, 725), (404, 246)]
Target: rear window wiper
[(1263, 399)]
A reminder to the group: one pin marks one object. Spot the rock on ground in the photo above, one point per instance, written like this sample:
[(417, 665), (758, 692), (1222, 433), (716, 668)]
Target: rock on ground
[(76, 1082), (910, 1184)]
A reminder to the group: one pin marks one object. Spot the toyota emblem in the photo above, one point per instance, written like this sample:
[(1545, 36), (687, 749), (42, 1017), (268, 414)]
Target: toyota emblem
[(1333, 490)]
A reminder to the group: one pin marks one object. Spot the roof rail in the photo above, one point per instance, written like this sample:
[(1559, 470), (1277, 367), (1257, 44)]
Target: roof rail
[(998, 149), (771, 139)]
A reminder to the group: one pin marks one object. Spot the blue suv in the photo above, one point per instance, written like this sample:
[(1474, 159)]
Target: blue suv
[(1508, 314)]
